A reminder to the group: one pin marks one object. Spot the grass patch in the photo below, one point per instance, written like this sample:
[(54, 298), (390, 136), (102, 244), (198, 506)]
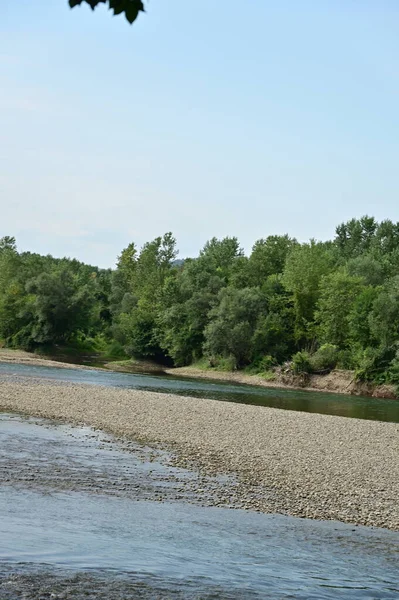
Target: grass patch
[(202, 365), (98, 347), (129, 362), (224, 364), (267, 375)]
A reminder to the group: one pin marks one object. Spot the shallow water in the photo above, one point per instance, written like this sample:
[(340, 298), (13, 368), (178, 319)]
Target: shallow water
[(73, 541), (313, 402)]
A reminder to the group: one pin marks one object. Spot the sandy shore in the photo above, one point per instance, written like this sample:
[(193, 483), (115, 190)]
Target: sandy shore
[(20, 357), (302, 464)]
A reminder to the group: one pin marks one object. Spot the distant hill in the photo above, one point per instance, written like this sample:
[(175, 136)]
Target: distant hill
[(179, 262)]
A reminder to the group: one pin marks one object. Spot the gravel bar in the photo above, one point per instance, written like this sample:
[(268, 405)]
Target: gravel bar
[(296, 463)]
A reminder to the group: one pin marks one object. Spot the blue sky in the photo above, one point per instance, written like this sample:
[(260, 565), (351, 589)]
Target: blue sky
[(202, 118)]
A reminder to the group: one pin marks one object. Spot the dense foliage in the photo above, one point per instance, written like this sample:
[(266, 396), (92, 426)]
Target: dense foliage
[(319, 305), (45, 300)]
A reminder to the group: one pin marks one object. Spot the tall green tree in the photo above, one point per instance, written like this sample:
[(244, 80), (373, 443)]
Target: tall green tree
[(355, 236), (373, 271), (138, 286), (384, 317), (61, 306), (186, 302), (232, 324), (338, 292), (268, 257), (305, 266), (360, 333)]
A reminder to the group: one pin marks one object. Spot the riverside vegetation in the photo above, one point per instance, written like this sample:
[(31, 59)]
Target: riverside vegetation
[(311, 307)]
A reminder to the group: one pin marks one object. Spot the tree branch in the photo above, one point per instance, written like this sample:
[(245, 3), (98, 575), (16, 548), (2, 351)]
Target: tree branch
[(130, 8)]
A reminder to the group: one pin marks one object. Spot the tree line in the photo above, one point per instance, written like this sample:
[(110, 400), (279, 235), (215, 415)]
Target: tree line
[(315, 305)]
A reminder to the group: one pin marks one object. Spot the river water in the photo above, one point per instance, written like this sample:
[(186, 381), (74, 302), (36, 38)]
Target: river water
[(84, 516), (314, 402)]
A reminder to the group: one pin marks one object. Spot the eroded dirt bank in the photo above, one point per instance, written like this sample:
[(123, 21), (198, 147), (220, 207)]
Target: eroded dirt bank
[(338, 381), (301, 464)]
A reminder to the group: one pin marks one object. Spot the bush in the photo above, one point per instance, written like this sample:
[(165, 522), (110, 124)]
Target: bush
[(324, 359), (374, 364), (301, 363), (261, 364), (267, 363), (346, 360), (115, 350), (393, 371), (222, 363), (22, 339), (202, 364)]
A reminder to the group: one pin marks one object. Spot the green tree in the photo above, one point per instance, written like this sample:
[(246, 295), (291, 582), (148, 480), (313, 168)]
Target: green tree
[(127, 262), (268, 257), (49, 300), (232, 324), (274, 333), (305, 266), (61, 306), (136, 295), (9, 262), (386, 239), (355, 236), (8, 244), (359, 322), (186, 302), (367, 267), (338, 292), (384, 317)]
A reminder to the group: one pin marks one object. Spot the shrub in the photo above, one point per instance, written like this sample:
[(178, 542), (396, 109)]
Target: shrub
[(301, 363), (393, 371), (115, 350), (222, 363), (374, 363), (324, 359), (22, 339), (346, 360), (202, 364), (263, 365), (268, 375), (267, 363)]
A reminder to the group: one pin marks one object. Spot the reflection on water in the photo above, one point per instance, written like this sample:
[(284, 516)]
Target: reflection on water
[(314, 402), (73, 544)]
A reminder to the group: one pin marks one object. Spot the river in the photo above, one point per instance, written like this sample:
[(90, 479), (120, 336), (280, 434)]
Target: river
[(314, 402), (80, 520)]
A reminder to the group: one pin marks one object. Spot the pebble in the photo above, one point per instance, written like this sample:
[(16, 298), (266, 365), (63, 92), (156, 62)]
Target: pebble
[(297, 463)]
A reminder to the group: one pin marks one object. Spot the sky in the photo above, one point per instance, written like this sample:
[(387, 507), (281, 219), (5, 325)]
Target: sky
[(205, 118)]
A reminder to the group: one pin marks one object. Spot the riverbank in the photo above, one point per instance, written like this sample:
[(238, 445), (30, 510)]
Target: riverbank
[(301, 464), (337, 381), (20, 357)]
